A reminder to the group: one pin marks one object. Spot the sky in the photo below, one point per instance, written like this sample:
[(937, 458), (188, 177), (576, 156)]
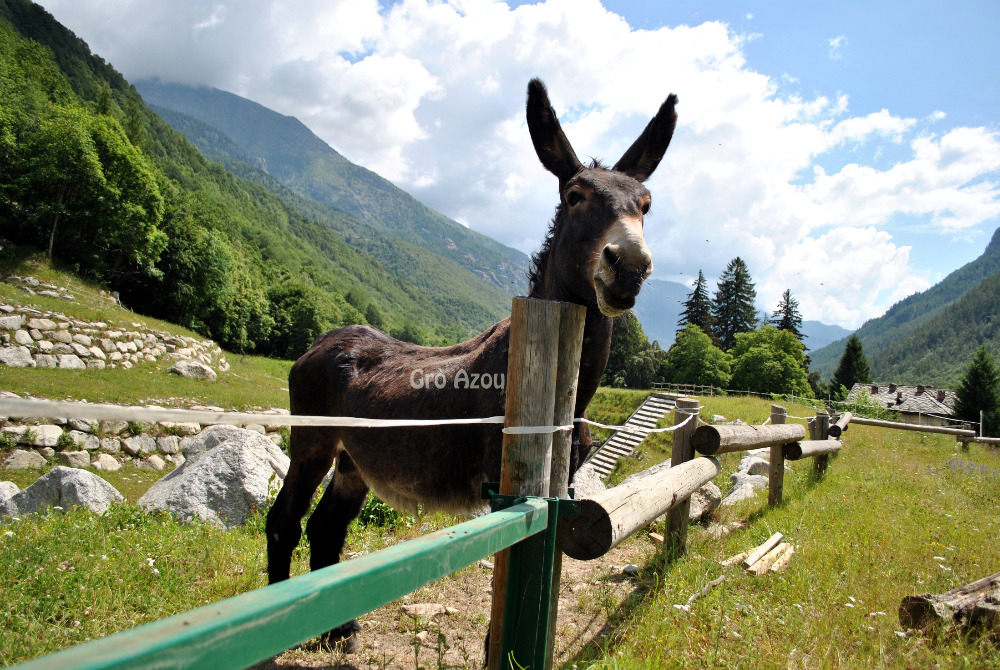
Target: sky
[(848, 152)]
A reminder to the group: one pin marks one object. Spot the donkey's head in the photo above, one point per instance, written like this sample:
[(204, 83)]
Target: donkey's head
[(595, 253)]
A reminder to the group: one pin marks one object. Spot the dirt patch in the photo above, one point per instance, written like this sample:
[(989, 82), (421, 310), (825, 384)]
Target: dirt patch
[(590, 595)]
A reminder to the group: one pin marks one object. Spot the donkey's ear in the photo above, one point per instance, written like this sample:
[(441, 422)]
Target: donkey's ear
[(646, 152), (550, 141)]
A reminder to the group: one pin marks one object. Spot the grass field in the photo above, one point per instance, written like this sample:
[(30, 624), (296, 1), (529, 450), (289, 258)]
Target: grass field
[(890, 518)]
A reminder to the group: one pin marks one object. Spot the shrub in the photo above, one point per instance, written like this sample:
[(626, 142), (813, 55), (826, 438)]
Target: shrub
[(377, 513)]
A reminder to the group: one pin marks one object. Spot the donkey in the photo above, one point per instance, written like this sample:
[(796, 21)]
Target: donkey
[(594, 255)]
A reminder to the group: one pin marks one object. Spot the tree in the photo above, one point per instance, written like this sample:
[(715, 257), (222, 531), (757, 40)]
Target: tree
[(787, 316), (979, 391), (853, 367), (768, 360), (698, 308), (694, 359), (733, 308)]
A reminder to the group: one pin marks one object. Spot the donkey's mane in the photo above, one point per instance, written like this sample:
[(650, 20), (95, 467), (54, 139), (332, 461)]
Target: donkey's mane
[(540, 258)]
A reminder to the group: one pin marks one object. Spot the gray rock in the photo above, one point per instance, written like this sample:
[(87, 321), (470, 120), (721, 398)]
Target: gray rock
[(184, 429), (42, 324), (169, 444), (82, 425), (45, 347), (23, 338), (74, 459), (71, 362), (745, 487), (23, 459), (46, 361), (16, 357), (752, 465), (704, 501), (12, 322), (105, 462), (139, 445), (587, 482), (111, 445), (45, 436), (153, 462), (66, 487), (60, 336), (46, 452), (226, 476), (193, 370), (112, 427), (718, 419), (86, 441), (7, 491), (742, 478)]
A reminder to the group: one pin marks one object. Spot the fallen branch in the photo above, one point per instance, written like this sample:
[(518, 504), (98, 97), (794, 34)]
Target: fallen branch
[(705, 589)]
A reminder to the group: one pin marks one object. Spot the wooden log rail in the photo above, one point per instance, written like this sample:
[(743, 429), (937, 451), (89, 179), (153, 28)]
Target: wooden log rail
[(796, 451), (913, 426), (840, 425), (712, 440), (611, 516)]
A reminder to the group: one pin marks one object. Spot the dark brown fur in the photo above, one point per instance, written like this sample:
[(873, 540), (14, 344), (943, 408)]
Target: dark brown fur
[(593, 255)]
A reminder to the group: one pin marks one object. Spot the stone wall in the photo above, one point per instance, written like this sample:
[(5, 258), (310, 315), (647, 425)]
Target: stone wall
[(50, 339)]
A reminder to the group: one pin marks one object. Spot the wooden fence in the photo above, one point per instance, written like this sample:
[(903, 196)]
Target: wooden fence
[(532, 525)]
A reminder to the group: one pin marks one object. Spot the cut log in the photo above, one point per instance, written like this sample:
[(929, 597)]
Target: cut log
[(841, 424), (760, 551), (611, 516), (711, 440), (973, 607), (768, 559), (798, 450), (913, 426)]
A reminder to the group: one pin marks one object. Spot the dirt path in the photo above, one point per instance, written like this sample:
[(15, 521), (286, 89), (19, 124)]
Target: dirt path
[(590, 593)]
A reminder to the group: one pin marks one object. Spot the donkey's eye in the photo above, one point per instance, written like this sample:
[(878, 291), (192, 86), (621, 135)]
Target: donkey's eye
[(645, 207), (574, 198)]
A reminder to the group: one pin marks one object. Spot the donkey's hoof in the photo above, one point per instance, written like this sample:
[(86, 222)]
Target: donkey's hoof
[(344, 637)]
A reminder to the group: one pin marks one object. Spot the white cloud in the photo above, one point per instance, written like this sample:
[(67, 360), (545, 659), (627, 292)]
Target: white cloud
[(431, 95)]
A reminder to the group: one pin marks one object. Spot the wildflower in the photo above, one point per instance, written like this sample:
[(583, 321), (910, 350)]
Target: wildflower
[(9, 533)]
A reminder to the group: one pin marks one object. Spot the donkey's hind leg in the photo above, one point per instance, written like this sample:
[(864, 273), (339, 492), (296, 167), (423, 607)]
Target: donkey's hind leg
[(312, 456), (327, 532)]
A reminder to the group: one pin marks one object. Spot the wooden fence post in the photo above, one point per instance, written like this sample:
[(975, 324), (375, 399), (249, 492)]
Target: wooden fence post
[(532, 376), (819, 430), (776, 470), (683, 451)]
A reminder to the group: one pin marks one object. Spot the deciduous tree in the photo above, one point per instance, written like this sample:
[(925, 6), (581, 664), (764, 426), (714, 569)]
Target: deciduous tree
[(769, 360), (694, 359)]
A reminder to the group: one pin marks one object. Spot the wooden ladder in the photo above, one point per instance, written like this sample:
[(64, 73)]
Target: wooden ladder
[(623, 443)]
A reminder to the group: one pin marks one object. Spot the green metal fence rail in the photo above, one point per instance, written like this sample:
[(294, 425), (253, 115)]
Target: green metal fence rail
[(251, 627)]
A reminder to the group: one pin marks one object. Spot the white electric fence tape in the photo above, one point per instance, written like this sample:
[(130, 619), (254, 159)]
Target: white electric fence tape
[(51, 409)]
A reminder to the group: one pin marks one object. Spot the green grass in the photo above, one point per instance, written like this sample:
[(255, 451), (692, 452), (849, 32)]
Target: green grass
[(866, 535)]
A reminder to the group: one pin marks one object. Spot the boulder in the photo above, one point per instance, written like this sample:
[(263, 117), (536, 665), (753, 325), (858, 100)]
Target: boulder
[(71, 362), (16, 357), (105, 462), (139, 445), (587, 482), (111, 445), (193, 370), (67, 487), (74, 459), (169, 444), (227, 475), (753, 465), (704, 501), (45, 436), (745, 487), (7, 492), (11, 322)]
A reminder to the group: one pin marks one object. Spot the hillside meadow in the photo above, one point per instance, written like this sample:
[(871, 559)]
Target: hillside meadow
[(893, 516)]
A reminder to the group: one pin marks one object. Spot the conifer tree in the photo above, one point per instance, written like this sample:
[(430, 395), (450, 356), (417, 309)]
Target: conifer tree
[(698, 308), (979, 391), (734, 307), (853, 367), (787, 316)]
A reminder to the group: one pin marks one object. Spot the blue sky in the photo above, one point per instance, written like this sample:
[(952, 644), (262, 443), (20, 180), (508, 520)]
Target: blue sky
[(849, 152)]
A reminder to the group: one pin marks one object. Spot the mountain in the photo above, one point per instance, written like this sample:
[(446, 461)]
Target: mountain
[(125, 200), (888, 332), (292, 154), (661, 302)]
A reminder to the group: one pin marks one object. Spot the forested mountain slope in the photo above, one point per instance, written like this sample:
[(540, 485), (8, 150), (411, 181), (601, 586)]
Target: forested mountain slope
[(124, 199), (296, 157), (909, 314)]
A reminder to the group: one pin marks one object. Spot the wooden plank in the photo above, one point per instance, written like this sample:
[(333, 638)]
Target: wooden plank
[(910, 426), (782, 561), (810, 448), (758, 553), (239, 631), (711, 440), (767, 560), (611, 516)]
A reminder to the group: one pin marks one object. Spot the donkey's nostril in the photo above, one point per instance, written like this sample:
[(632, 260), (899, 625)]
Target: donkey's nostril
[(611, 254)]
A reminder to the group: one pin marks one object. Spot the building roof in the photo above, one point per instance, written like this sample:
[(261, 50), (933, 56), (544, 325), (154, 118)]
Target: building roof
[(910, 399)]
